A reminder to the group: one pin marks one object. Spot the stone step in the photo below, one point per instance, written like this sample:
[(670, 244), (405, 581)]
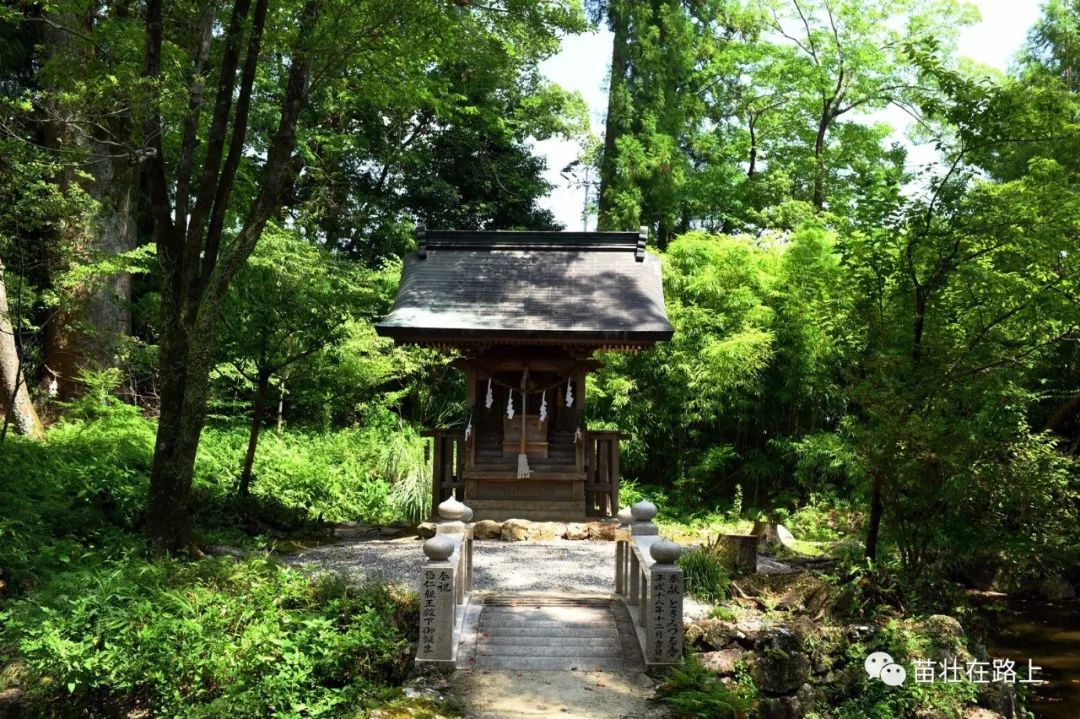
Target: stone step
[(493, 626), (534, 504), (565, 612), (593, 632), (555, 664), (602, 650), (558, 611), (555, 600), (547, 614), (570, 644)]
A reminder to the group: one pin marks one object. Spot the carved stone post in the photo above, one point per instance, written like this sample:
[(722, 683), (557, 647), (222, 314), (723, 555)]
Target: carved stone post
[(451, 516), (633, 594), (664, 620), (437, 602), (622, 550)]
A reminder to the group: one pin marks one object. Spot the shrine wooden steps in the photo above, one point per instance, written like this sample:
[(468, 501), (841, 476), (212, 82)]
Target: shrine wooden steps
[(548, 633)]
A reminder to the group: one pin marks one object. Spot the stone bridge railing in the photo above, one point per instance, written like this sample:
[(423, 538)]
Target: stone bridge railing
[(647, 581), (445, 584), (651, 585)]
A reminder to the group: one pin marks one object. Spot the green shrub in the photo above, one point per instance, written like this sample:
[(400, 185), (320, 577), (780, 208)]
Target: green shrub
[(823, 519), (85, 487), (299, 477), (213, 638), (904, 642), (375, 473), (706, 574), (82, 489)]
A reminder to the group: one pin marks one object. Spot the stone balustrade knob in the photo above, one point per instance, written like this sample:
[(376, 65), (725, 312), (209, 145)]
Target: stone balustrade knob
[(438, 548), (665, 552), (625, 516), (643, 511), (451, 510), (467, 515)]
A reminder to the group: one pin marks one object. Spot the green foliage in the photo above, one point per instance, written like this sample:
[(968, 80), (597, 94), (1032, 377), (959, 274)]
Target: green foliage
[(86, 487), (101, 630), (904, 642), (301, 477), (213, 638), (80, 490), (693, 691), (706, 573), (824, 518)]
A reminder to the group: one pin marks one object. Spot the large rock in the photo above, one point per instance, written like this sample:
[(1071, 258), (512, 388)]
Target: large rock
[(426, 530), (545, 531), (947, 640), (980, 713), (515, 530), (487, 529), (577, 531), (603, 530), (721, 662), (780, 666), (805, 593), (710, 634), (999, 698), (795, 706)]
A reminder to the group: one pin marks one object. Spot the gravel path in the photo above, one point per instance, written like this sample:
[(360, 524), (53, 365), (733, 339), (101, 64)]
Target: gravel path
[(566, 566), (555, 566)]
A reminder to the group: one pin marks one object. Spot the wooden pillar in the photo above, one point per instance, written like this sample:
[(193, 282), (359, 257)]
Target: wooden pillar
[(436, 471)]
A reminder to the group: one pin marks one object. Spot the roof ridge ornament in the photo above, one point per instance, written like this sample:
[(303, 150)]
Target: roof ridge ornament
[(642, 239)]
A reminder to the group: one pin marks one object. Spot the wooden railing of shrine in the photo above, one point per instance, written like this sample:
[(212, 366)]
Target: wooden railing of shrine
[(447, 462), (602, 472), (599, 460)]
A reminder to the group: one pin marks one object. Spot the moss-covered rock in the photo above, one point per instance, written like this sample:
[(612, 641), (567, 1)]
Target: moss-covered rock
[(780, 666)]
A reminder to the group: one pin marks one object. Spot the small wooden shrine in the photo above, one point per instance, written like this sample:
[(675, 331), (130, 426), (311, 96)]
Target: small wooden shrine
[(525, 311)]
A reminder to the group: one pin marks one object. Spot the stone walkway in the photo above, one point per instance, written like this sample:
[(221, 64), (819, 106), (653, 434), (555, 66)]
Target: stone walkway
[(564, 566)]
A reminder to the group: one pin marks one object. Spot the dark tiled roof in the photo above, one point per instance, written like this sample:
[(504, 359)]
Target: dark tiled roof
[(590, 287)]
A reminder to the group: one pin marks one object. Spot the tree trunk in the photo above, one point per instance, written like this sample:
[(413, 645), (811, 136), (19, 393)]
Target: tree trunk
[(616, 111), (258, 414), (82, 334), (186, 359), (819, 159), (17, 408), (876, 510), (753, 147), (196, 268)]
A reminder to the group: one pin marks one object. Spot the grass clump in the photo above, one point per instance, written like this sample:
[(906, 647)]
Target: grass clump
[(706, 574)]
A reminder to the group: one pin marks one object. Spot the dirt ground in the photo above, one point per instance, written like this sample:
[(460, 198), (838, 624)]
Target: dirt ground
[(575, 695)]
